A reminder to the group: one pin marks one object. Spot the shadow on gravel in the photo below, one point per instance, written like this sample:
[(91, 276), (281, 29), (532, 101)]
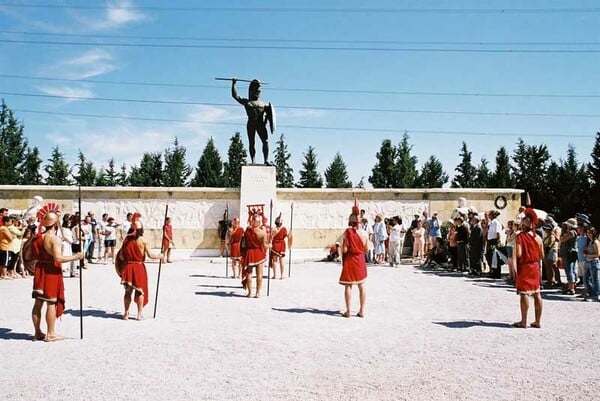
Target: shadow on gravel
[(465, 324), (441, 273), (220, 293), (309, 310), (95, 313), (205, 276), (559, 296), (218, 286), (8, 334)]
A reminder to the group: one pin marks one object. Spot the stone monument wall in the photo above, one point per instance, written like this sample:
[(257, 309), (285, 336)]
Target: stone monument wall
[(320, 215)]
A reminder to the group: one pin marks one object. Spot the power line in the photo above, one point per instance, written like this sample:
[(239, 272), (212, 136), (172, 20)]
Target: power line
[(301, 48), (365, 10), (321, 108), (282, 40), (343, 91), (306, 127)]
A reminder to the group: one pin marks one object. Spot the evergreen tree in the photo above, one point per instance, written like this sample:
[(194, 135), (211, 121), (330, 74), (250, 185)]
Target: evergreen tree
[(502, 177), (571, 186), (385, 171), (336, 175), (111, 175), (30, 174), (176, 170), (466, 172), (432, 174), (284, 173), (483, 175), (101, 179), (209, 171), (86, 176), (13, 147), (57, 169), (406, 165), (123, 178), (593, 168), (149, 174), (309, 176), (529, 171), (232, 169)]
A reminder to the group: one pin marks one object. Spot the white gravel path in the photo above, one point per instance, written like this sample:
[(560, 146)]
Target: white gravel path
[(426, 336)]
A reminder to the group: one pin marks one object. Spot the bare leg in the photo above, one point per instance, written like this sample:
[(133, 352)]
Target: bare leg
[(251, 138), (347, 299), (362, 291), (524, 309), (140, 307), (51, 320), (281, 266), (249, 283), (259, 279), (127, 302), (36, 317), (537, 298), (169, 255)]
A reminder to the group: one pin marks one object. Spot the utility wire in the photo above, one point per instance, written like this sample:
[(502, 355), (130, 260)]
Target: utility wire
[(365, 10), (344, 109), (282, 40), (271, 88), (311, 48), (306, 127)]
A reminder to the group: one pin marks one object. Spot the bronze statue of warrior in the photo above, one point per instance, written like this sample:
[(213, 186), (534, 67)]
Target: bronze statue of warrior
[(259, 113)]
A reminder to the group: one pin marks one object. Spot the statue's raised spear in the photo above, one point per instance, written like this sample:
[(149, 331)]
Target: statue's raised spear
[(239, 80)]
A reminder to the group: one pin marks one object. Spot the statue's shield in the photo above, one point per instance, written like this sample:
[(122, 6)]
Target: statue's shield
[(271, 117)]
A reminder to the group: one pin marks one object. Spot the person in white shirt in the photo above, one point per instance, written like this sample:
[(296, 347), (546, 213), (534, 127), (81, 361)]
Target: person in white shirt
[(493, 237), (110, 239), (396, 241)]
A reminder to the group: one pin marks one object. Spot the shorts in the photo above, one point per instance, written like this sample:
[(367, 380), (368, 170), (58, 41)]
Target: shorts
[(110, 243), (8, 259)]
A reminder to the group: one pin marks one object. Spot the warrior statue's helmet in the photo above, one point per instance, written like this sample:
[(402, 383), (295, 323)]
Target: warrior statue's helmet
[(254, 90)]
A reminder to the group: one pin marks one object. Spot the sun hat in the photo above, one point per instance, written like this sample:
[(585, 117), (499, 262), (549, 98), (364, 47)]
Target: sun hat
[(571, 223)]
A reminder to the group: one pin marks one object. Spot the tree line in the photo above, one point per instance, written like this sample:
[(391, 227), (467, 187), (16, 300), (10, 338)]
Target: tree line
[(561, 187)]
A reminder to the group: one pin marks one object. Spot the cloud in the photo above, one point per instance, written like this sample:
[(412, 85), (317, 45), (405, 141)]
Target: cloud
[(116, 15), (67, 91), (89, 64), (203, 116)]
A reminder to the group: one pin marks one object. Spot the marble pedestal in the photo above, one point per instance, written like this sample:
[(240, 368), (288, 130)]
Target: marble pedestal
[(259, 186)]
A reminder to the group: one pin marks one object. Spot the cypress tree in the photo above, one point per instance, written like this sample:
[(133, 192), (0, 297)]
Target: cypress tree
[(176, 171), (31, 168), (336, 175), (466, 172), (13, 147), (432, 174), (284, 173), (309, 176), (57, 169), (236, 158), (385, 172), (209, 171)]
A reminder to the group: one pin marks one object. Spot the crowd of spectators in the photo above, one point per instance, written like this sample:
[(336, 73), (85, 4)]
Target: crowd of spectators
[(96, 238)]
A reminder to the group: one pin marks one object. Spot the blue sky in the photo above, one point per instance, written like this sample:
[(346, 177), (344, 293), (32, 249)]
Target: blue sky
[(567, 73)]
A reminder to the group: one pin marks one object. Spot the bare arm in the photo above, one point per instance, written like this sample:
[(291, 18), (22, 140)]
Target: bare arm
[(54, 245), (149, 252), (234, 93)]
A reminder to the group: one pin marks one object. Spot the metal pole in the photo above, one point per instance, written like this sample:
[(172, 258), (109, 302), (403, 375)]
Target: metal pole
[(269, 253), (226, 247), (160, 260), (80, 270), (290, 233)]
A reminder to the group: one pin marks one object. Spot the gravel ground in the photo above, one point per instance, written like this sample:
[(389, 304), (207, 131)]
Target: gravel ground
[(427, 335)]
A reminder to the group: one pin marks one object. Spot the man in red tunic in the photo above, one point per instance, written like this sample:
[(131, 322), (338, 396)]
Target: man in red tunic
[(167, 243), (134, 277), (235, 237), (529, 251), (255, 240), (278, 246), (48, 286), (354, 268)]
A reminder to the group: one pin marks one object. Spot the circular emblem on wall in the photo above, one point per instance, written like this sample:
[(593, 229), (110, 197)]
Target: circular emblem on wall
[(500, 202)]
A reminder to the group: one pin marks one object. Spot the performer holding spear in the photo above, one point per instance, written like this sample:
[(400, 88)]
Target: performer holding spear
[(270, 250), (227, 242), (290, 239), (160, 261)]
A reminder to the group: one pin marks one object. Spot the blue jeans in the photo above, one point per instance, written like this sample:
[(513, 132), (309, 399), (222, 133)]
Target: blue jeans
[(571, 271), (592, 278)]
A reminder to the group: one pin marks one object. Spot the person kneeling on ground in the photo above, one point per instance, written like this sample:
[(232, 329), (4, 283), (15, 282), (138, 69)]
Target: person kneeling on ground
[(436, 256)]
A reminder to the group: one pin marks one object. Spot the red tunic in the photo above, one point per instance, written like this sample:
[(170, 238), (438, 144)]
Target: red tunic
[(278, 245), (236, 238), (354, 267), (168, 235), (528, 265), (47, 278), (134, 273), (255, 253)]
